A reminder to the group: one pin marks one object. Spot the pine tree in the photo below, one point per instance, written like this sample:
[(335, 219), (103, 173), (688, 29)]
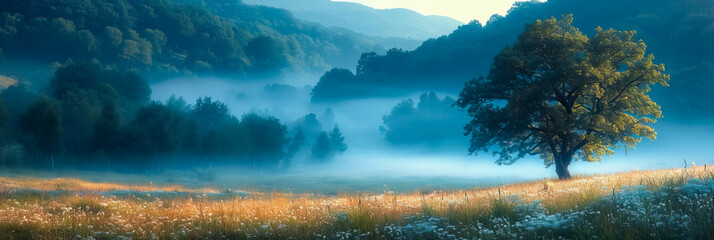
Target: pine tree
[(337, 141)]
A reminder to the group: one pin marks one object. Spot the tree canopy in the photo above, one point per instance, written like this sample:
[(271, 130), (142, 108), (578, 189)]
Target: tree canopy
[(432, 122), (326, 144), (41, 128), (309, 130), (101, 118), (174, 37), (562, 95)]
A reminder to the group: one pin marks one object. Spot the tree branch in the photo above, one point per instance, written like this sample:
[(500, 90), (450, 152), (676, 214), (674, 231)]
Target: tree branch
[(627, 86)]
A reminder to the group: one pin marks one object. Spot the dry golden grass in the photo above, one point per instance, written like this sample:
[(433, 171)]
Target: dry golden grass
[(284, 214), (76, 185)]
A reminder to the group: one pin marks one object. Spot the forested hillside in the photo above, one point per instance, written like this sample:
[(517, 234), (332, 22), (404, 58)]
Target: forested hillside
[(222, 37), (680, 34)]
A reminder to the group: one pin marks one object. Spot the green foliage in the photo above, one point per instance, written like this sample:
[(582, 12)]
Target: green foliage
[(41, 127), (326, 145), (100, 84), (17, 98), (361, 219), (3, 134), (336, 84), (337, 141), (3, 120), (102, 119), (310, 125), (171, 37), (160, 126), (296, 142), (503, 207), (432, 121), (266, 54), (575, 200), (209, 112), (107, 129), (268, 136), (558, 94), (321, 148), (205, 134), (79, 109), (676, 32), (229, 138), (84, 91)]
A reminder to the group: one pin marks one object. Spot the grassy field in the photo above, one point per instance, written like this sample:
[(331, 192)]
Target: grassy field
[(661, 204)]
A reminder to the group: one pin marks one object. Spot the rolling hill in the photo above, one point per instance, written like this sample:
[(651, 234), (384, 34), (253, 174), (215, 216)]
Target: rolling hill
[(389, 23)]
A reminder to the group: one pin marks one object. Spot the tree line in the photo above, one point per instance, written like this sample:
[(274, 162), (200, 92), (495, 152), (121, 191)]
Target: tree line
[(431, 122), (93, 117)]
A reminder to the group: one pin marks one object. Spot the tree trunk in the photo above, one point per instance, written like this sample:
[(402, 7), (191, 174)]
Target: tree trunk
[(561, 166)]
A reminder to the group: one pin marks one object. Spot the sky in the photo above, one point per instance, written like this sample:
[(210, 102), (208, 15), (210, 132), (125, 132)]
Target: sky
[(462, 10)]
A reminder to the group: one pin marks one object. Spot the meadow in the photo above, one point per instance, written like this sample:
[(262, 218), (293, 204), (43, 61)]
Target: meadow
[(657, 204)]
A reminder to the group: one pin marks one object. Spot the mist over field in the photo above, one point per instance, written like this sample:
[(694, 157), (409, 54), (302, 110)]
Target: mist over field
[(370, 155), (222, 88), (327, 119)]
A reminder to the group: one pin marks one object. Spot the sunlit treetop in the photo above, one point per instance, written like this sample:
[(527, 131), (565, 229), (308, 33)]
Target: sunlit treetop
[(562, 95)]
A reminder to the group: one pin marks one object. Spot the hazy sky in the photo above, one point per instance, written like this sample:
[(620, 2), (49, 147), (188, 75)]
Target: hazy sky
[(462, 10)]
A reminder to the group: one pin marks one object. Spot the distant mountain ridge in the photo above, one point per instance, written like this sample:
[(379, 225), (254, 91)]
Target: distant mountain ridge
[(399, 23)]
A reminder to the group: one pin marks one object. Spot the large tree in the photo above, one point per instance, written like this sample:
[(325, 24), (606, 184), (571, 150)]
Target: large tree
[(337, 141), (563, 95)]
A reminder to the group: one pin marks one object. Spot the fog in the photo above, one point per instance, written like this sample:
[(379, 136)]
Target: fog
[(370, 158), (371, 163), (89, 92)]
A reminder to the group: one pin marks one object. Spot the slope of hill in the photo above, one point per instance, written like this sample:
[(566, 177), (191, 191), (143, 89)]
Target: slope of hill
[(390, 23), (679, 34), (171, 37)]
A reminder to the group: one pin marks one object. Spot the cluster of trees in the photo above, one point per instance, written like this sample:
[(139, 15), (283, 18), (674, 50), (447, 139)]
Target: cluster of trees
[(309, 130), (337, 84), (328, 144), (173, 36), (432, 122), (98, 118), (678, 32)]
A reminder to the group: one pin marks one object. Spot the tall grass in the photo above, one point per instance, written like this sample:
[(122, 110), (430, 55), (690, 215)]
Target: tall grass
[(596, 201)]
